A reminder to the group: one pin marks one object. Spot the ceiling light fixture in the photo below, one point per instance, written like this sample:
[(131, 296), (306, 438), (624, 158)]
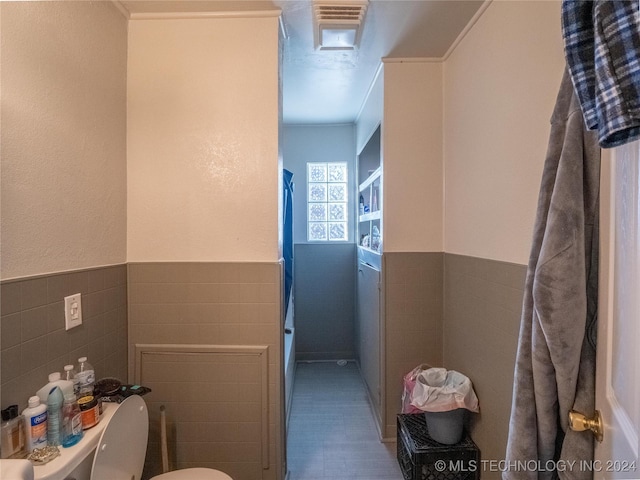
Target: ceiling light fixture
[(338, 23)]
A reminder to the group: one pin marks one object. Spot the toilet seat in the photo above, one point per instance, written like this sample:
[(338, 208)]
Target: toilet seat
[(123, 444), (193, 474)]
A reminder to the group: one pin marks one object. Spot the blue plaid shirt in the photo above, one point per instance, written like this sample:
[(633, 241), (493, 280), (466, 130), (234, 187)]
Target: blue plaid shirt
[(602, 46)]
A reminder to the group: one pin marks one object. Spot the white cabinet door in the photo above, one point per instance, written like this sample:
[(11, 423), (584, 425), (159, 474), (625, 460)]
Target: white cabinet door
[(369, 332)]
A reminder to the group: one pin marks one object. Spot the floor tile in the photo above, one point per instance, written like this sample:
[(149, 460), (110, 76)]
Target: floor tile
[(332, 432)]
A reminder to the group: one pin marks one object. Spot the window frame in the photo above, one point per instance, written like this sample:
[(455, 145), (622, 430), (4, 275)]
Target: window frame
[(319, 199)]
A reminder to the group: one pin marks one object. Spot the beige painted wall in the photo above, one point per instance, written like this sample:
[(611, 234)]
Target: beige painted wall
[(412, 156), (406, 97), (203, 140), (500, 86), (63, 137)]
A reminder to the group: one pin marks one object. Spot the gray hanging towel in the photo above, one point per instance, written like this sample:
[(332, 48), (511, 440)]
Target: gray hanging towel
[(555, 364)]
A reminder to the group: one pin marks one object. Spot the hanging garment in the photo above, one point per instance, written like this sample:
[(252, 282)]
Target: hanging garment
[(602, 47), (555, 364)]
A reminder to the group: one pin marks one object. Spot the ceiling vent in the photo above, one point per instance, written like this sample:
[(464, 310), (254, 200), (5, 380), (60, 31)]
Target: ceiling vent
[(338, 24)]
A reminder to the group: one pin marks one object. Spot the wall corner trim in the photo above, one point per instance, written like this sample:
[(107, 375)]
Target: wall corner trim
[(466, 29), (121, 8), (59, 272), (366, 96)]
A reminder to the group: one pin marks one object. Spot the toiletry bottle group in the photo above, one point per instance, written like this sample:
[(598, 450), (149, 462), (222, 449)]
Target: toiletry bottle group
[(53, 416)]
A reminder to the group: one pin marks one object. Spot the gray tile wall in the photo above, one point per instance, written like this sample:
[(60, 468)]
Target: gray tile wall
[(462, 313), (324, 306), (238, 304), (413, 309), (482, 308), (223, 304), (34, 341), (214, 407)]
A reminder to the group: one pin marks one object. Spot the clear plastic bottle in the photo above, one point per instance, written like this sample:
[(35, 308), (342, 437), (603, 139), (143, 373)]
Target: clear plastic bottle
[(35, 418), (71, 421), (55, 380), (12, 434), (70, 375), (86, 377), (54, 416)]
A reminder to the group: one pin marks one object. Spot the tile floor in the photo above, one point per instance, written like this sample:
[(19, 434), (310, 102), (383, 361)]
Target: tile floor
[(332, 434)]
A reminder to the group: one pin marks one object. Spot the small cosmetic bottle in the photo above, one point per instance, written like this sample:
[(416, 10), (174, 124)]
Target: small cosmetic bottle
[(12, 436)]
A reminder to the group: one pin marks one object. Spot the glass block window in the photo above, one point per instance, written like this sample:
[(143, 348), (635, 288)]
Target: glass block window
[(327, 207)]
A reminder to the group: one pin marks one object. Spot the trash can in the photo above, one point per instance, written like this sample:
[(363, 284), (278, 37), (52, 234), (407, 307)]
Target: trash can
[(445, 396)]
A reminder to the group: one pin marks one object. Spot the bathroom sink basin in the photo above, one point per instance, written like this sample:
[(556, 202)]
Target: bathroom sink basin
[(16, 470)]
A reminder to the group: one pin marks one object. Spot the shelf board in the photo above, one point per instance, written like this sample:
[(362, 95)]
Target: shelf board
[(372, 178), (367, 249), (367, 217)]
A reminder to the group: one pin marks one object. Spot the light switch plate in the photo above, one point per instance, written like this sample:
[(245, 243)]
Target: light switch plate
[(72, 311)]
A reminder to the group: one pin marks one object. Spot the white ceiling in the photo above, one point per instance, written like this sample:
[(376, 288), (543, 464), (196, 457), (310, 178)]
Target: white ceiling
[(330, 86)]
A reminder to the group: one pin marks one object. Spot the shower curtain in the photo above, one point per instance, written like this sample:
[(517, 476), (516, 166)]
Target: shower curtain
[(555, 366)]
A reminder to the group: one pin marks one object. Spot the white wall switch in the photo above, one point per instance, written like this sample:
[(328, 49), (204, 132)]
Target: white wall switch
[(72, 311)]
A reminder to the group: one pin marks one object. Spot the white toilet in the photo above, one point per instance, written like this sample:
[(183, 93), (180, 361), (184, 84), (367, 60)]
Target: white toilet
[(116, 459), (121, 445)]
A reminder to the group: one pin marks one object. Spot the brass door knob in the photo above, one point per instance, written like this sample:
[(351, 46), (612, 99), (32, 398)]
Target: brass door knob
[(578, 422)]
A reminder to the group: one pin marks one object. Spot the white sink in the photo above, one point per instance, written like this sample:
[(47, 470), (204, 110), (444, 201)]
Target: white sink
[(16, 470)]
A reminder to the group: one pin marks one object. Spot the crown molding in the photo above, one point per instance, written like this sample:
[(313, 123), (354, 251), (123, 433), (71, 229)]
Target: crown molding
[(203, 15), (412, 59)]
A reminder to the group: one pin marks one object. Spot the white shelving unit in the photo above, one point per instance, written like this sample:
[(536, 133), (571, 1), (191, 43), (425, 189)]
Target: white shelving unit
[(370, 214), (369, 266)]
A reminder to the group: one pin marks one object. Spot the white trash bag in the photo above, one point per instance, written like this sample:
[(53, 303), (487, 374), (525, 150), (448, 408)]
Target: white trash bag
[(442, 390), (444, 396)]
